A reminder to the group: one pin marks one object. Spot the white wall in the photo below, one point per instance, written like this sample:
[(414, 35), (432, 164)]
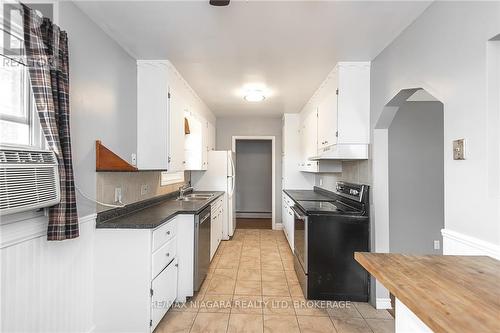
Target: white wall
[(445, 52), (103, 98), (227, 127)]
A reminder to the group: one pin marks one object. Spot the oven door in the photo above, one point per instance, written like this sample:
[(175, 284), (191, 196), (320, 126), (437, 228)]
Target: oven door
[(300, 237)]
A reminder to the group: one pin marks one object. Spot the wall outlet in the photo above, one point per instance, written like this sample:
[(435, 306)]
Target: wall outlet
[(118, 194), (133, 158), (437, 245), (144, 189)]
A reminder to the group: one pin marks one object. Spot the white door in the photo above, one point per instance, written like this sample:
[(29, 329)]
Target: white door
[(177, 108)]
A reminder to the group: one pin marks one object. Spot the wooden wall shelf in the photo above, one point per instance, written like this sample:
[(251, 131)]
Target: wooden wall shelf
[(106, 160)]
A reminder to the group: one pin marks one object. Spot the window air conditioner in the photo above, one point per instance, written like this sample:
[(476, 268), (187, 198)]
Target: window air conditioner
[(29, 179)]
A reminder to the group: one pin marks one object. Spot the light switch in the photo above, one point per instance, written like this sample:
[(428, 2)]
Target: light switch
[(459, 149)]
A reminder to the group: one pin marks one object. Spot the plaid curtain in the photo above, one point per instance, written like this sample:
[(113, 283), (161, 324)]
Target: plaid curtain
[(47, 59)]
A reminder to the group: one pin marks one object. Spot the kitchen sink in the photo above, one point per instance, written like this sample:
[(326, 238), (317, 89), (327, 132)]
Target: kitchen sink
[(191, 199), (199, 195), (195, 197)]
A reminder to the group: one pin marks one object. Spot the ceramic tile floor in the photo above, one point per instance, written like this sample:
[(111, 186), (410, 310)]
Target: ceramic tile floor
[(252, 287)]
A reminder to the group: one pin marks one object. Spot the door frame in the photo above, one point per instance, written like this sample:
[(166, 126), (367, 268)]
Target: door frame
[(271, 138)]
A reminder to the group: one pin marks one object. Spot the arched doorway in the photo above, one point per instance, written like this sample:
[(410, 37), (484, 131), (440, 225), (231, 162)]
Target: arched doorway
[(408, 174)]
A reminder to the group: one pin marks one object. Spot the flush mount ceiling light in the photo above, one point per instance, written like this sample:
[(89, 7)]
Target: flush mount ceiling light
[(254, 96)]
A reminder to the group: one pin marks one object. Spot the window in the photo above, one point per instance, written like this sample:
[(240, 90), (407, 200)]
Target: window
[(19, 123)]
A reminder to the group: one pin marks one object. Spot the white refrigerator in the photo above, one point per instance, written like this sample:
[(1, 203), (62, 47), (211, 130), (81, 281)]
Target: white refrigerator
[(220, 176)]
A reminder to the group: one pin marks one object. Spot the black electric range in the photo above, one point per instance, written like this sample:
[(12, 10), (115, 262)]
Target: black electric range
[(329, 207), (326, 235)]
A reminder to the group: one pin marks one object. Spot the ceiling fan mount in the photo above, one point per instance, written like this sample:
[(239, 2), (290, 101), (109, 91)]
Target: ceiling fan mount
[(219, 3)]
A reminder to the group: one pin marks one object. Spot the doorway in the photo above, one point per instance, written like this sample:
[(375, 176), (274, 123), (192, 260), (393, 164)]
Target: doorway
[(408, 174), (254, 186)]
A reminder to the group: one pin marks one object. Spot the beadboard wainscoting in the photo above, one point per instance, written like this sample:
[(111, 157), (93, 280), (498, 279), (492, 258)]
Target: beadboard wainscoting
[(455, 243), (46, 286)]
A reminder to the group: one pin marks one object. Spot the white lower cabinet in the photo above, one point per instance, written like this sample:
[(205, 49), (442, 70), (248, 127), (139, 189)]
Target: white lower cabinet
[(139, 273), (163, 292), (216, 225), (288, 219)]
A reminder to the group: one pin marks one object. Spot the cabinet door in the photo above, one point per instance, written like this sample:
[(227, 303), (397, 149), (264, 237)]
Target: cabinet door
[(327, 114), (291, 226), (177, 108), (311, 134), (164, 288), (152, 116), (213, 235), (205, 144)]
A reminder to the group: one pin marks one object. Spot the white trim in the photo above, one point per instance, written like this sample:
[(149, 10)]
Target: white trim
[(456, 243), (273, 143), (278, 226), (22, 231), (383, 303)]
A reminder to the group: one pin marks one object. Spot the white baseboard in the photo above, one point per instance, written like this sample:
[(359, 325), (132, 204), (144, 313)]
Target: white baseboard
[(383, 303), (456, 243), (278, 226)]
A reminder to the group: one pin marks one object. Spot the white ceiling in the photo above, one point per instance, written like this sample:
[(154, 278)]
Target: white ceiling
[(289, 47)]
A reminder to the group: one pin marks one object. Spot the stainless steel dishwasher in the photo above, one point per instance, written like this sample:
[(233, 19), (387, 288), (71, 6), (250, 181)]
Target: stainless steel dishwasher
[(202, 223)]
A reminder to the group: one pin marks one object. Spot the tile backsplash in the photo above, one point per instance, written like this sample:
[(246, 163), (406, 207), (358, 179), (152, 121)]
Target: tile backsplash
[(130, 184), (352, 171)]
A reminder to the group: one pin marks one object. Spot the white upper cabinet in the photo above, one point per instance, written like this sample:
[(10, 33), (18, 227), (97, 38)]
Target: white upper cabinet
[(177, 106), (353, 119), (342, 105), (197, 142), (327, 112), (152, 116), (309, 132), (163, 100)]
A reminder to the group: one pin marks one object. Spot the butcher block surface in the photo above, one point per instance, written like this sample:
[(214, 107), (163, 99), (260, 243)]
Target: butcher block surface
[(448, 293)]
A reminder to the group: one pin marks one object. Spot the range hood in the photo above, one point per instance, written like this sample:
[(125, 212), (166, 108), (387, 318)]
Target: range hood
[(343, 152)]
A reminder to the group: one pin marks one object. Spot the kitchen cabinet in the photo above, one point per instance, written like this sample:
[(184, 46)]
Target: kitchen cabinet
[(327, 112), (341, 108), (288, 219), (217, 217), (177, 107), (152, 115), (163, 292), (292, 178), (160, 118), (139, 273), (196, 143), (309, 132)]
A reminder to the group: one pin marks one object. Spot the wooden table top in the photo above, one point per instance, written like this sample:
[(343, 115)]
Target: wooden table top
[(448, 293)]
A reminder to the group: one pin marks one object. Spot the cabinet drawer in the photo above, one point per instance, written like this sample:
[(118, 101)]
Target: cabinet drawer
[(163, 234), (163, 256)]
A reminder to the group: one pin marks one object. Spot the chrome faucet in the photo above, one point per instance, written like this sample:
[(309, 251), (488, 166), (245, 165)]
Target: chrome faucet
[(183, 189)]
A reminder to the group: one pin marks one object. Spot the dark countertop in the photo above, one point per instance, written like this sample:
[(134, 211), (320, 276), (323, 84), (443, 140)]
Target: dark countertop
[(309, 195), (154, 214)]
